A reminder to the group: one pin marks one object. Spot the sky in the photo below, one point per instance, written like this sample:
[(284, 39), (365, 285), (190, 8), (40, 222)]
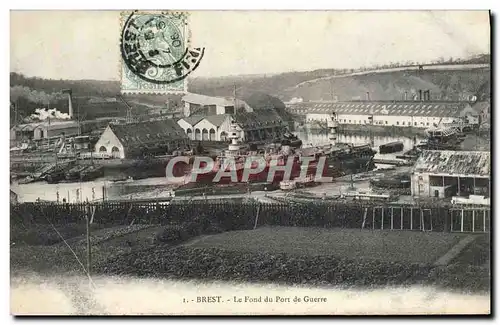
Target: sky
[(85, 44)]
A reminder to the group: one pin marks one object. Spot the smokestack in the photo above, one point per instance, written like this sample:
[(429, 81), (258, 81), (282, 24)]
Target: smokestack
[(368, 96), (70, 99), (420, 94), (405, 96)]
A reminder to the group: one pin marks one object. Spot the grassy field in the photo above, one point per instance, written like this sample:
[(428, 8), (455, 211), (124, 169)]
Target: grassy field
[(417, 247)]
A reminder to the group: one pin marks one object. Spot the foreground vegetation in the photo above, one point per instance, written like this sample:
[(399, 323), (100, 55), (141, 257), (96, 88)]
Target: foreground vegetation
[(218, 264), (203, 249), (385, 245)]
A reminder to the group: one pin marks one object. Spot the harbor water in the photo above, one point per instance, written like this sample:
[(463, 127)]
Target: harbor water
[(317, 138), (103, 189)]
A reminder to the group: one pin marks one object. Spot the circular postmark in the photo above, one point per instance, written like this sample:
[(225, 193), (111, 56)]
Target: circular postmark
[(154, 47)]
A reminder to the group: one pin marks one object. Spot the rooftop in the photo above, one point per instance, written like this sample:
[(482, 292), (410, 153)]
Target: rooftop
[(207, 100), (467, 163), (216, 120), (54, 125), (193, 119), (402, 108), (150, 133)]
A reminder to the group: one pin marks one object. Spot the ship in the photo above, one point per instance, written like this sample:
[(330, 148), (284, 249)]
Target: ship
[(335, 159), (56, 175), (290, 139), (445, 136), (91, 172), (391, 147), (395, 181), (75, 172)]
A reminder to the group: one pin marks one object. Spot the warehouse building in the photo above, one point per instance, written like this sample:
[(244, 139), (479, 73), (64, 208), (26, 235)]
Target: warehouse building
[(144, 138), (43, 130), (262, 125), (206, 128), (418, 114), (209, 118), (445, 174), (196, 104), (252, 126)]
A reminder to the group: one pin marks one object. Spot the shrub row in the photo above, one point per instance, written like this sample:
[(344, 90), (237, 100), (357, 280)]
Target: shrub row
[(180, 232), (43, 234), (186, 262), (217, 264), (110, 233)]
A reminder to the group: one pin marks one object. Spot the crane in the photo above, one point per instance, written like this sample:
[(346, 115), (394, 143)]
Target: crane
[(129, 110)]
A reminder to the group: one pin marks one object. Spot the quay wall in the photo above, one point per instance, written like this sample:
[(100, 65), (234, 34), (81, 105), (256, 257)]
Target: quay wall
[(352, 129), (247, 215)]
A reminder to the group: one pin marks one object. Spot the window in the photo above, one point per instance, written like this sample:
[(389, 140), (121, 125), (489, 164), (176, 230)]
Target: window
[(397, 122), (415, 123), (349, 121), (427, 123), (385, 122), (404, 123)]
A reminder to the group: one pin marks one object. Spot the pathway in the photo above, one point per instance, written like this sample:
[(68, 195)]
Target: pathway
[(454, 251)]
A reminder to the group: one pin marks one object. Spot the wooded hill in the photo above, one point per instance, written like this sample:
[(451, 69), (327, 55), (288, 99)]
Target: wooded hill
[(29, 93)]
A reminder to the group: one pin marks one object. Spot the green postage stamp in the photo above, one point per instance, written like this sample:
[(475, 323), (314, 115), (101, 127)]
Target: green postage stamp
[(155, 54)]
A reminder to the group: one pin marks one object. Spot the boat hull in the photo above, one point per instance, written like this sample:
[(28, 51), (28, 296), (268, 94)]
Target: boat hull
[(335, 166)]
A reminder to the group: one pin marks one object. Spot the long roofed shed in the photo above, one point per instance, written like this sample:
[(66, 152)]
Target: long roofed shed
[(405, 108), (258, 120), (447, 162), (148, 134)]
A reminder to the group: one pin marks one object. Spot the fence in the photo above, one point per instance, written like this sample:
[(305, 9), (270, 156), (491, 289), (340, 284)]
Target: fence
[(247, 215)]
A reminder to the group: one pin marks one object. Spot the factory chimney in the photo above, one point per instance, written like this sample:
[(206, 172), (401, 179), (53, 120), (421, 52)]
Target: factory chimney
[(70, 100), (420, 94), (368, 96)]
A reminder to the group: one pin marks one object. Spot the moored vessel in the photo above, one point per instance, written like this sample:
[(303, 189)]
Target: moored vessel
[(331, 160)]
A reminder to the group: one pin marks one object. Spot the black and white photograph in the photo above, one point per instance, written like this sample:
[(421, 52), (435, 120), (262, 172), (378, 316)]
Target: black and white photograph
[(308, 162)]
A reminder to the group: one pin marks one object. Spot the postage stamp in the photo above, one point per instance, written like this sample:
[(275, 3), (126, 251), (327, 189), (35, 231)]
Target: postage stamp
[(155, 52)]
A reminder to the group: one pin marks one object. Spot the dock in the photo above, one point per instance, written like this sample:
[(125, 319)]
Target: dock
[(391, 162)]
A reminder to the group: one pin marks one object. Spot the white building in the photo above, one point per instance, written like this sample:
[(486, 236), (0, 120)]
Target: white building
[(196, 104), (252, 126), (206, 128), (136, 139), (418, 114)]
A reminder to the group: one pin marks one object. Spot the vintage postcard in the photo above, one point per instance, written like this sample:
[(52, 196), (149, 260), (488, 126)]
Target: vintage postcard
[(167, 162)]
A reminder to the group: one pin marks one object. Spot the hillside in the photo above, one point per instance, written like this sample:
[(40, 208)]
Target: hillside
[(446, 80), (30, 93), (443, 84)]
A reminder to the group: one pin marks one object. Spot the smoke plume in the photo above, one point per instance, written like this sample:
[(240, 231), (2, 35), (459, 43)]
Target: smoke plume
[(42, 114)]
